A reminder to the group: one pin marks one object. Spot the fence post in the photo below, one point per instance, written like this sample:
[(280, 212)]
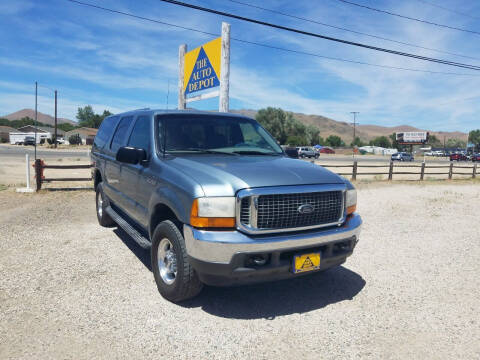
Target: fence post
[(354, 171), (422, 171), (38, 173), (390, 171), (450, 171), (474, 173)]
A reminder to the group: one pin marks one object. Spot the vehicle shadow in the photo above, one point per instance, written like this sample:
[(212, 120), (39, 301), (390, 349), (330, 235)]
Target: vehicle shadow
[(285, 297), (271, 299)]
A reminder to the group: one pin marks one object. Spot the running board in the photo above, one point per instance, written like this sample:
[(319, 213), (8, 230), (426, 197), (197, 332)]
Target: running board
[(129, 229)]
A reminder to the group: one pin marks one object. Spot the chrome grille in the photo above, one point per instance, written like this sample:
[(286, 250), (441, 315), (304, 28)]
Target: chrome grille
[(281, 211), (245, 211)]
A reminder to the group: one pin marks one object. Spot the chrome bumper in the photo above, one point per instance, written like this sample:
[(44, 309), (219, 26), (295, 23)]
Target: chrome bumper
[(220, 246)]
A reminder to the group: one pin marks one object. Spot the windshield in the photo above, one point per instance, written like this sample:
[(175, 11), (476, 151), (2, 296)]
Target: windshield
[(214, 134)]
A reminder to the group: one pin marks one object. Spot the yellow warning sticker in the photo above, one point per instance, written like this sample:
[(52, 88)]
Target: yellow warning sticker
[(306, 262)]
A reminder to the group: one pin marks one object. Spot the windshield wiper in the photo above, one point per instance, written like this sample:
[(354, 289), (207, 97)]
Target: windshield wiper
[(203, 151), (253, 152)]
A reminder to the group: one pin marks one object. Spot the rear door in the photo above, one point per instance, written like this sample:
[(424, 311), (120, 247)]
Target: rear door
[(113, 167)]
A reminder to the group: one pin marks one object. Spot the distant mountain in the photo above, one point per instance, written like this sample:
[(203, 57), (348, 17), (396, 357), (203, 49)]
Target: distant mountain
[(366, 133), (41, 117)]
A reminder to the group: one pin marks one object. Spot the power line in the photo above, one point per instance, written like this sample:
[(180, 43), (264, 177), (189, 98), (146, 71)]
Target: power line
[(298, 31), (447, 9), (267, 45), (349, 30), (410, 18)]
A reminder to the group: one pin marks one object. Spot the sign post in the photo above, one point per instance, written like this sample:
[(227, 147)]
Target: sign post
[(203, 68), (181, 64), (225, 74)]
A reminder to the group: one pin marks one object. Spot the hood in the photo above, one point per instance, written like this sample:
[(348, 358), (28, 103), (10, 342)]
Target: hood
[(224, 175)]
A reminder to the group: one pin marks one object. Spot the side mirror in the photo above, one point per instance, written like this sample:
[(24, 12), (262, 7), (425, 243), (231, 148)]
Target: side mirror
[(131, 155)]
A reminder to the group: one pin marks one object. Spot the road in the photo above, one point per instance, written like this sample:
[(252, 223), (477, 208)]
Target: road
[(20, 151)]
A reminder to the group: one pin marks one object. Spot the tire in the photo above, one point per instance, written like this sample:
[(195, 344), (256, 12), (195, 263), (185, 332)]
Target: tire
[(180, 281), (102, 203)]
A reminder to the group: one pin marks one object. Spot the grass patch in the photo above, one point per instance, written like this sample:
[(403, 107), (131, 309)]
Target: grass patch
[(3, 187)]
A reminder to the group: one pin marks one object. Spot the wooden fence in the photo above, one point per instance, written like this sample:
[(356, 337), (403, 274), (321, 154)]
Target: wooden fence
[(449, 170), (40, 178)]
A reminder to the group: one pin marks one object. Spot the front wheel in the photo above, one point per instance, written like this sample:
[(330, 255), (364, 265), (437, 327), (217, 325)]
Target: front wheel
[(175, 277)]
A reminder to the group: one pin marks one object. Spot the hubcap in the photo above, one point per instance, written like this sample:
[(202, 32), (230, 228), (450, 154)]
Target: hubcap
[(167, 261), (100, 205)]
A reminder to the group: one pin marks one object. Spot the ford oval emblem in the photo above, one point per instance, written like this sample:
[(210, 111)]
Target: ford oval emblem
[(306, 209)]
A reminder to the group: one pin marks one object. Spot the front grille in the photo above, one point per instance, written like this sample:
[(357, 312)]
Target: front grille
[(281, 211)]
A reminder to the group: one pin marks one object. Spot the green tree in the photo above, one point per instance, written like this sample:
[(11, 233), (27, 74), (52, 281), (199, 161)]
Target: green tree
[(456, 143), (474, 137), (381, 141), (313, 135), (66, 126), (334, 141), (75, 139), (87, 118), (358, 142), (274, 121), (295, 140), (434, 141), (393, 139)]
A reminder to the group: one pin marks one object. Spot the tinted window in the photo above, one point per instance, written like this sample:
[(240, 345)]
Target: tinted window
[(121, 133), (140, 137), (105, 131)]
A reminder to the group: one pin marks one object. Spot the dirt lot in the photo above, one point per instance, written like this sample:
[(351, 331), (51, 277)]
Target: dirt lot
[(71, 289)]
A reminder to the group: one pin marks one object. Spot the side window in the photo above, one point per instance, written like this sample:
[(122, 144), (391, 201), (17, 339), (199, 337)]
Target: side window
[(140, 137), (121, 133), (105, 131)]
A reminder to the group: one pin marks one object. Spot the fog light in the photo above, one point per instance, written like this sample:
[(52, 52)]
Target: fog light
[(259, 260)]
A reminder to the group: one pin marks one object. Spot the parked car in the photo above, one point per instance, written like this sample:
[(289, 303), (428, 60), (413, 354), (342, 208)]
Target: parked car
[(304, 152), (291, 152), (216, 200), (29, 140), (458, 157), (402, 156), (476, 157), (327, 150)]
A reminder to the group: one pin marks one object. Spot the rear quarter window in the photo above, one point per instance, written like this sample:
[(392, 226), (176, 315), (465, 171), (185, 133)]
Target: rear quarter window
[(105, 132)]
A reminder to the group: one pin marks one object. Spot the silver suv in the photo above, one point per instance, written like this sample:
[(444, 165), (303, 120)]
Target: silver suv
[(304, 151), (216, 201)]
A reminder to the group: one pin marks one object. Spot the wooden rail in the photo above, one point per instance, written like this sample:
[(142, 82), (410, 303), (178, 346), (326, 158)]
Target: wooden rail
[(40, 165), (449, 170)]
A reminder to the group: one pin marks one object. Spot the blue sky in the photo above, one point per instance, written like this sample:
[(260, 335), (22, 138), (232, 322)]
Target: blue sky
[(119, 63)]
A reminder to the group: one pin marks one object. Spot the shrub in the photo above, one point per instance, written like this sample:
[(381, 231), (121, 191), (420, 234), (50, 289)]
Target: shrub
[(75, 139)]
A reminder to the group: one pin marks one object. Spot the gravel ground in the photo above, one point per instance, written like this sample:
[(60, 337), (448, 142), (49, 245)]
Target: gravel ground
[(74, 290)]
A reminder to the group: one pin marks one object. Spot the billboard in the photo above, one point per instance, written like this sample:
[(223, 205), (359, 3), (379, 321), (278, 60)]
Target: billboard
[(412, 137), (202, 67)]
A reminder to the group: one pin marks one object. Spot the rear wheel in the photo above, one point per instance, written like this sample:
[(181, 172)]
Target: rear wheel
[(101, 205), (175, 277)]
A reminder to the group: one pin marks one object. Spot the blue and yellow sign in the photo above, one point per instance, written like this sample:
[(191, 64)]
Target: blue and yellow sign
[(202, 67)]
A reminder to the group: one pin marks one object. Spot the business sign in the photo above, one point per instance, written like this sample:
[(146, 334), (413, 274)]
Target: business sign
[(202, 67), (412, 138)]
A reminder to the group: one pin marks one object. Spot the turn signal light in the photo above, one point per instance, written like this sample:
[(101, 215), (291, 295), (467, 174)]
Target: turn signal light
[(209, 222), (351, 209)]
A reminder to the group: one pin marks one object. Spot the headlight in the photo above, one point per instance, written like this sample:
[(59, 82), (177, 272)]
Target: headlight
[(351, 201), (209, 212)]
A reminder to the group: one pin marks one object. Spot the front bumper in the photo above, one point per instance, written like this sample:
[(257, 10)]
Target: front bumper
[(224, 257)]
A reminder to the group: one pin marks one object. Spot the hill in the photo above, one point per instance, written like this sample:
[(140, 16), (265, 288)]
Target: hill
[(366, 132), (41, 117)]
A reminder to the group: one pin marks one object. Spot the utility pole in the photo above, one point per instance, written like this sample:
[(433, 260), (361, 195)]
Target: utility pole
[(36, 91), (354, 124), (225, 68), (55, 119)]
